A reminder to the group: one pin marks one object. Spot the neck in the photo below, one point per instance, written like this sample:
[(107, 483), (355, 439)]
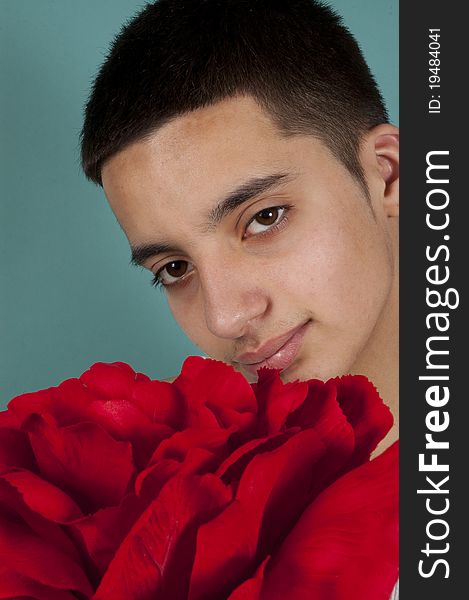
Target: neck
[(380, 362)]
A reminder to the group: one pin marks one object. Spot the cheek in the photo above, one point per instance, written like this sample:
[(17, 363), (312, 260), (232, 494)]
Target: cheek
[(337, 273)]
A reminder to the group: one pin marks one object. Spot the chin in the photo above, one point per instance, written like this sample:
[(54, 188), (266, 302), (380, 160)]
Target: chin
[(299, 371), (325, 371), (248, 376)]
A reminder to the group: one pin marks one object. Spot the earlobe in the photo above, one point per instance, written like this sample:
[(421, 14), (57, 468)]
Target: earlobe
[(386, 147)]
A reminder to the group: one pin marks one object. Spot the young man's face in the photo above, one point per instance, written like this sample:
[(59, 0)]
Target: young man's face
[(270, 251)]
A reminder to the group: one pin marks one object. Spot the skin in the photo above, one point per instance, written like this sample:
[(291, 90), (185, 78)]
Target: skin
[(329, 259)]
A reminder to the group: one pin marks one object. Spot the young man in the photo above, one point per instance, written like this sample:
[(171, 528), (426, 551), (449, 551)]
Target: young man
[(244, 148)]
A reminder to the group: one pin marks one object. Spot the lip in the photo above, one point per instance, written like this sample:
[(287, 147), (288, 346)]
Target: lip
[(278, 353)]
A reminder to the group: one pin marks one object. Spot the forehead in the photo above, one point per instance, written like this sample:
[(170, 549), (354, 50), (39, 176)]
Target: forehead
[(191, 162)]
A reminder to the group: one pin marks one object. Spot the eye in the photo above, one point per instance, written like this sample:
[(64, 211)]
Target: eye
[(265, 219), (173, 272)]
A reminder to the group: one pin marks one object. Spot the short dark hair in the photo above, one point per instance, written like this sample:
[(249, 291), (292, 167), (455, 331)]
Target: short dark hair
[(294, 57)]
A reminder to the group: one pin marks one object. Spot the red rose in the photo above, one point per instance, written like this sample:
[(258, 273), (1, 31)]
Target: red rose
[(117, 487)]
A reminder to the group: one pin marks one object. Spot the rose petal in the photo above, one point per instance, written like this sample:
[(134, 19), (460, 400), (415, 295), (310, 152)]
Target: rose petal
[(44, 498), (271, 492), (233, 419), (110, 380), (83, 460), (197, 461), (151, 480), (15, 450), (126, 422), (345, 546), (233, 466), (160, 402), (251, 588), (32, 402), (103, 531), (13, 508), (9, 420), (320, 409), (27, 554), (155, 557), (70, 402), (177, 446), (217, 379), (214, 392), (14, 585), (303, 469), (277, 400), (322, 412), (370, 418)]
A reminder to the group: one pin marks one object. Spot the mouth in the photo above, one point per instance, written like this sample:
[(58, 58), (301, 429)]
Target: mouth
[(277, 353)]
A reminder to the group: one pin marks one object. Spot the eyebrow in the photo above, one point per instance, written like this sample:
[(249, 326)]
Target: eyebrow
[(143, 252), (246, 191)]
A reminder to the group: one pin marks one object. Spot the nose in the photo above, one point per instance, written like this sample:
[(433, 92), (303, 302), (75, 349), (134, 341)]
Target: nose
[(233, 301)]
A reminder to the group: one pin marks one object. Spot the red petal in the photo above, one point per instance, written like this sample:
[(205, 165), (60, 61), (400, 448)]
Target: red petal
[(213, 388), (151, 480), (160, 401), (43, 497), (197, 461), (230, 418), (33, 402), (103, 532), (157, 554), (9, 420), (27, 554), (277, 400), (15, 450), (251, 588), (370, 417), (271, 494), (123, 419), (177, 446), (219, 382), (233, 466), (70, 402), (321, 412), (83, 460), (14, 585), (13, 508), (110, 380), (345, 546)]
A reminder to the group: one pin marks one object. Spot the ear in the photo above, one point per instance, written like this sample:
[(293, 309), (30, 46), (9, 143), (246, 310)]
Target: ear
[(383, 158)]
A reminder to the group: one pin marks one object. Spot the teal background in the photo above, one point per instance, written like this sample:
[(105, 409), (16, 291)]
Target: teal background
[(68, 296)]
